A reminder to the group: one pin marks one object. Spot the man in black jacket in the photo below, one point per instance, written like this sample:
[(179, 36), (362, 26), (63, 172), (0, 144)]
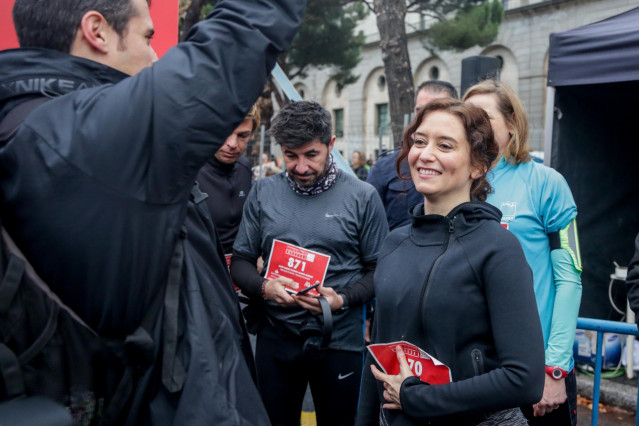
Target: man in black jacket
[(226, 178), (96, 182)]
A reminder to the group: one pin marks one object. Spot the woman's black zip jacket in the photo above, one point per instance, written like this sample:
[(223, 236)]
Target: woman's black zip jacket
[(460, 288)]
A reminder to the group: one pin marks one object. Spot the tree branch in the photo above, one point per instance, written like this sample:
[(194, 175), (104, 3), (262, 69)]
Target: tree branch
[(369, 5), (292, 75), (435, 15)]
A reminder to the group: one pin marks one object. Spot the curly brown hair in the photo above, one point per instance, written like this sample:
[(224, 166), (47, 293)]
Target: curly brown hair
[(479, 133)]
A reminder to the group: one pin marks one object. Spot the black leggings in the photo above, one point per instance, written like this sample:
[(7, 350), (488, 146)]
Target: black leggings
[(284, 371)]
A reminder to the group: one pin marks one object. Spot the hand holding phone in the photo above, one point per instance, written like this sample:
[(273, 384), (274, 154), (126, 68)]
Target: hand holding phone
[(307, 289), (304, 290)]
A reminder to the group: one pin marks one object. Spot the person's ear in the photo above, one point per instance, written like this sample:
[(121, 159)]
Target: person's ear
[(476, 173), (97, 32), (331, 143), (510, 125)]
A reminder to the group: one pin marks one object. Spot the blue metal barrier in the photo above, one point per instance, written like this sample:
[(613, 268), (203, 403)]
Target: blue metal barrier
[(601, 327)]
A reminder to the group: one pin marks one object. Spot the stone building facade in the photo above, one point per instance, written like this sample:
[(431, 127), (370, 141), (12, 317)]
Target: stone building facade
[(360, 111)]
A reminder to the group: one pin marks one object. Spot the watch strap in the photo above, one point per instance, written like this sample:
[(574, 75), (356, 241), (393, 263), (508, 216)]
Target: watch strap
[(344, 304), (556, 372)]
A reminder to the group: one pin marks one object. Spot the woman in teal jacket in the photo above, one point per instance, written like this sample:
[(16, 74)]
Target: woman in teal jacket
[(539, 209)]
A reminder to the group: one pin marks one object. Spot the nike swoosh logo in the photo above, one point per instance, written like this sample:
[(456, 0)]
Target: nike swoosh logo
[(340, 377), (330, 215)]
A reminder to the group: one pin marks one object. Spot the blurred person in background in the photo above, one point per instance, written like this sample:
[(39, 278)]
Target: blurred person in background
[(358, 165), (268, 167)]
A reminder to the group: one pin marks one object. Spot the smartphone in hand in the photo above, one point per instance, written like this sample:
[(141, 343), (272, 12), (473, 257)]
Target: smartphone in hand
[(304, 290)]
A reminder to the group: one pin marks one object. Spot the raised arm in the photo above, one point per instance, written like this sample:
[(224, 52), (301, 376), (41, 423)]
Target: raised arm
[(158, 127)]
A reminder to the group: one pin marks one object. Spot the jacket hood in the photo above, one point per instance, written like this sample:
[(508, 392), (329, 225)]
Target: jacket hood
[(45, 72)]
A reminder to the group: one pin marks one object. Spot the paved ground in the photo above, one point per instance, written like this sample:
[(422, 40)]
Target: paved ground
[(617, 404), (608, 416)]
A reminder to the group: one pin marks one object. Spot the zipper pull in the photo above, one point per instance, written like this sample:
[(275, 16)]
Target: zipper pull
[(451, 228)]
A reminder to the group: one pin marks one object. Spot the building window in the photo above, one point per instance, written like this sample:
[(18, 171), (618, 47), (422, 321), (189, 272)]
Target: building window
[(433, 73), (381, 119), (381, 82), (338, 115)]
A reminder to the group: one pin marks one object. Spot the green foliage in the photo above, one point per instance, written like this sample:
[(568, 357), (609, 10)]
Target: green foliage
[(199, 10), (327, 38), (207, 8), (441, 8), (471, 26)]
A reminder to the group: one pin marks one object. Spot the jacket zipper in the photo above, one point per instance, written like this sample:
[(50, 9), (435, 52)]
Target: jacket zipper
[(426, 286), (478, 361)]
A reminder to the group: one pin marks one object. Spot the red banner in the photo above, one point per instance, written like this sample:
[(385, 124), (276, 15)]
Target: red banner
[(8, 38), (163, 12)]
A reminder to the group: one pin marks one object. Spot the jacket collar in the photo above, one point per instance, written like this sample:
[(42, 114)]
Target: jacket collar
[(221, 168), (466, 217), (45, 72)]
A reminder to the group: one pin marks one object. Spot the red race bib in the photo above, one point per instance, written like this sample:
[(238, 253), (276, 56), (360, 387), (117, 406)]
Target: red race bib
[(424, 366), (303, 266)]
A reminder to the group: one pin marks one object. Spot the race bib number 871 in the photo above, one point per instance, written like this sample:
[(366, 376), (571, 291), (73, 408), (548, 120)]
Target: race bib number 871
[(304, 266)]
